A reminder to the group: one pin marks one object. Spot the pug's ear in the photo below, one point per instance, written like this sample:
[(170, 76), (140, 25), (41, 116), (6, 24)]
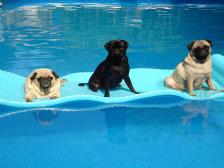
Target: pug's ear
[(125, 44), (107, 46), (55, 74), (189, 46), (33, 76), (210, 42)]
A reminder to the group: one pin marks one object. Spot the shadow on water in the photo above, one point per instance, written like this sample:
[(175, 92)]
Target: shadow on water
[(46, 117)]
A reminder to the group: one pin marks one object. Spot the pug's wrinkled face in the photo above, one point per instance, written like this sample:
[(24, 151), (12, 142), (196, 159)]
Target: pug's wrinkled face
[(45, 83), (200, 50), (117, 47), (44, 80)]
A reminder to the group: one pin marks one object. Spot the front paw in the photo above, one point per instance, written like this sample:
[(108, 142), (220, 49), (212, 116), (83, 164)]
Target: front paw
[(136, 92), (192, 94), (107, 95), (28, 99), (53, 97)]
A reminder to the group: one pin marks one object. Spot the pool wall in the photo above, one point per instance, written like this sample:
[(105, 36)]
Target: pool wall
[(121, 1)]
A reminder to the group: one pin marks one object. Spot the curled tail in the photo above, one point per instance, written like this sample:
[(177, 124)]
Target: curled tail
[(83, 84), (62, 81)]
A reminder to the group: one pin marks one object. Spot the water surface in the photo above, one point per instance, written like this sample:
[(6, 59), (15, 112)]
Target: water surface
[(70, 37)]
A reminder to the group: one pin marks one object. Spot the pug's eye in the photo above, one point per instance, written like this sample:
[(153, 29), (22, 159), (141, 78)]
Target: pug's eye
[(39, 79), (196, 49), (113, 47), (205, 47), (51, 78)]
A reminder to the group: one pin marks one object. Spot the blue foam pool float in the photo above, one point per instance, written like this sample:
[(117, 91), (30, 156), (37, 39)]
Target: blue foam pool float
[(145, 80)]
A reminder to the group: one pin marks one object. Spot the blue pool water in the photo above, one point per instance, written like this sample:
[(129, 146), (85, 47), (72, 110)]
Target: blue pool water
[(184, 136), (70, 38)]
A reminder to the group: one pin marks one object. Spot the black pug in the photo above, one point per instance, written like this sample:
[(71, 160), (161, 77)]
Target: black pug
[(112, 70)]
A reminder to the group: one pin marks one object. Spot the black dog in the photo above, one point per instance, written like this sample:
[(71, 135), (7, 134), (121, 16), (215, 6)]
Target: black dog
[(113, 70)]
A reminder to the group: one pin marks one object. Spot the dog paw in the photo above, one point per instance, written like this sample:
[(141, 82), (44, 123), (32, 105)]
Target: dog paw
[(192, 94), (28, 99), (107, 95), (54, 97)]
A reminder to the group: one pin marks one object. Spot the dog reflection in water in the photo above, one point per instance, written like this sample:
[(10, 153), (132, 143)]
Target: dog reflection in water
[(45, 117), (195, 109)]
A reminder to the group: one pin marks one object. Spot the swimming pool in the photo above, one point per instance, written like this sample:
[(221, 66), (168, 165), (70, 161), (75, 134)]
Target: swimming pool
[(69, 38)]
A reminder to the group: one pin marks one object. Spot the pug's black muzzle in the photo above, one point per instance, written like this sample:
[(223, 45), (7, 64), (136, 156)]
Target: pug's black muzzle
[(45, 85), (201, 54)]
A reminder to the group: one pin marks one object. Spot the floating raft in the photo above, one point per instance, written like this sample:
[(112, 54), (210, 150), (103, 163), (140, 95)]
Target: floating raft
[(149, 82)]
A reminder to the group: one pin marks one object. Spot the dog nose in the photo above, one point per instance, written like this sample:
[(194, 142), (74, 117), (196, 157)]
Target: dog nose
[(117, 52), (204, 52), (46, 85)]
